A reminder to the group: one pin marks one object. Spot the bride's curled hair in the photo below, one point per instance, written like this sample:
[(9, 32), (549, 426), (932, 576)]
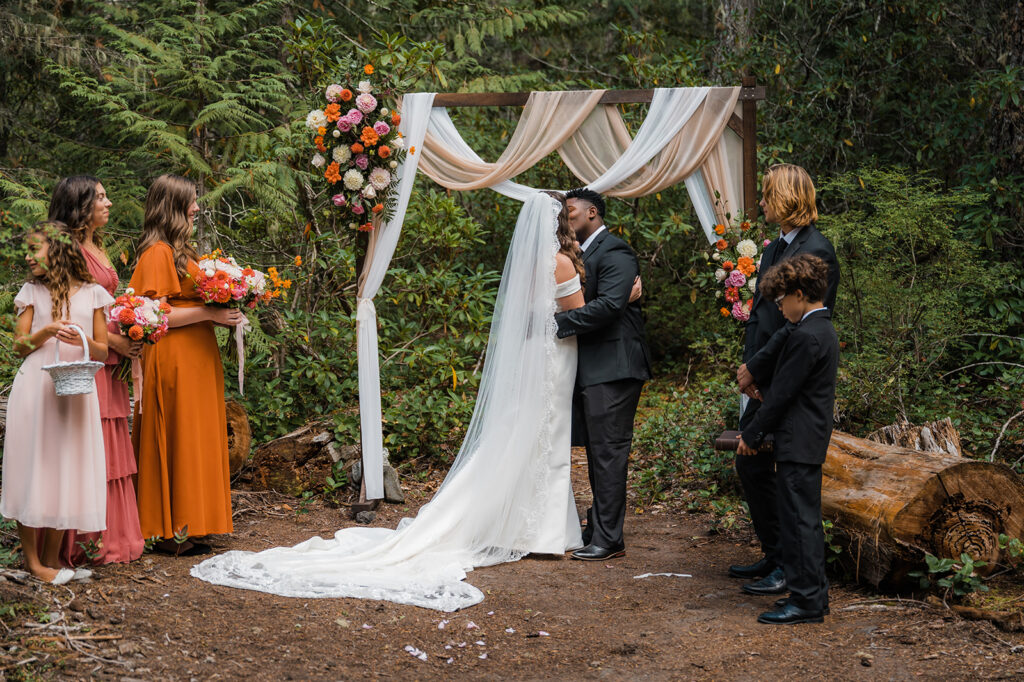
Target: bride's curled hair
[(567, 243)]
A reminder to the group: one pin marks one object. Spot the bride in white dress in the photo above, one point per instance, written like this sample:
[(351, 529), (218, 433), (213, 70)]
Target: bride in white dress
[(508, 493)]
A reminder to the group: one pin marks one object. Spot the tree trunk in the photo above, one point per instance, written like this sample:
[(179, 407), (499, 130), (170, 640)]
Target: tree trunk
[(239, 436), (892, 505)]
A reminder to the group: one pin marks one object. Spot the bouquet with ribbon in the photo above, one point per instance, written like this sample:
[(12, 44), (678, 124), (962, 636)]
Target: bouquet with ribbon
[(140, 319), (222, 281)]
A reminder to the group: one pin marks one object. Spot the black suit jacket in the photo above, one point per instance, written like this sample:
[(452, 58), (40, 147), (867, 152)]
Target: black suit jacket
[(798, 405), (609, 329), (763, 338)]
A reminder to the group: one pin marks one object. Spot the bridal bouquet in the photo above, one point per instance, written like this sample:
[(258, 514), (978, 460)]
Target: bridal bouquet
[(222, 281), (736, 261), (140, 319), (359, 149)]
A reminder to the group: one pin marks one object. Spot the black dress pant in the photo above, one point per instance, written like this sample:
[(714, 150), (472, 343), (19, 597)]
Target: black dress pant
[(757, 476), (801, 538), (605, 414)]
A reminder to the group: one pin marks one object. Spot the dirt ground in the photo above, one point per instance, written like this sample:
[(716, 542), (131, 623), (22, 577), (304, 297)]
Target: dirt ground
[(542, 618)]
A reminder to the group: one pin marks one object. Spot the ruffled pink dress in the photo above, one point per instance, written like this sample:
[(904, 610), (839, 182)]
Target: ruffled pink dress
[(54, 473), (122, 540)]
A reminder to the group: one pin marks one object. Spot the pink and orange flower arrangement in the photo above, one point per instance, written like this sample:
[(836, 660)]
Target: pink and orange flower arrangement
[(222, 281), (359, 150), (140, 319), (736, 259)]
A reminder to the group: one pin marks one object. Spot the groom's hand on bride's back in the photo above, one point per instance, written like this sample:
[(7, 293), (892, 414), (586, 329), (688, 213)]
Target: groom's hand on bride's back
[(637, 291)]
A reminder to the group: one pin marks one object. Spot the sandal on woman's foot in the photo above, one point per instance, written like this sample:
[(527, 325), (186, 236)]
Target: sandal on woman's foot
[(64, 575), (197, 549)]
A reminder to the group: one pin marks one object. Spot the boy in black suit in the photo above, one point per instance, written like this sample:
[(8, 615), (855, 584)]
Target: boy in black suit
[(797, 409)]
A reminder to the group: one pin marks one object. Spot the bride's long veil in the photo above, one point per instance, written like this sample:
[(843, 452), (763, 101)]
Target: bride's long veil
[(486, 510)]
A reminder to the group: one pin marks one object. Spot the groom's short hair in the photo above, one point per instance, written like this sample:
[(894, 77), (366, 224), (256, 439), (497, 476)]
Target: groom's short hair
[(588, 195)]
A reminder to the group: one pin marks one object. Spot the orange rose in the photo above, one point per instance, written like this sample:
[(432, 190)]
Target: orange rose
[(745, 225), (378, 208), (248, 272), (728, 266), (724, 311), (135, 333), (357, 148), (319, 142), (333, 174), (346, 95), (383, 151), (369, 136), (321, 131), (395, 118), (745, 265), (719, 229), (333, 113), (165, 308), (368, 69), (126, 316), (722, 245)]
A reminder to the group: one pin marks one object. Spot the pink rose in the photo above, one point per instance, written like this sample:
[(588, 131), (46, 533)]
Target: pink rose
[(339, 199), (362, 160), (740, 311), (358, 209), (381, 128), (354, 116), (766, 242), (366, 102), (344, 125), (735, 279)]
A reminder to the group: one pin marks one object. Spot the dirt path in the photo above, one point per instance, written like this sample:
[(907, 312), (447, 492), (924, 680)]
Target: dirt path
[(541, 618)]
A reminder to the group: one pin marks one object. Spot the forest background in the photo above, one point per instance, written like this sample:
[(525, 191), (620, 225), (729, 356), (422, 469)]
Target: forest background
[(907, 114)]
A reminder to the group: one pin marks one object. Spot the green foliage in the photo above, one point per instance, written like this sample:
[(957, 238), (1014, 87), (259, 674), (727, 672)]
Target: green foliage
[(10, 545), (911, 300), (673, 444), (833, 550), (958, 578)]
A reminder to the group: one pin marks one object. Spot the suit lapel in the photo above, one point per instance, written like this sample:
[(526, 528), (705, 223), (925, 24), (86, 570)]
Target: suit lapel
[(797, 242), (766, 257), (594, 245)]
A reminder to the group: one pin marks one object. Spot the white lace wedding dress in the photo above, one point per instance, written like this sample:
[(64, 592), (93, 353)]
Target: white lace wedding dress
[(508, 492)]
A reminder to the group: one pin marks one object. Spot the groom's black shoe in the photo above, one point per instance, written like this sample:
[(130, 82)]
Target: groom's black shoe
[(779, 603), (791, 614), (595, 553), (773, 583), (758, 569)]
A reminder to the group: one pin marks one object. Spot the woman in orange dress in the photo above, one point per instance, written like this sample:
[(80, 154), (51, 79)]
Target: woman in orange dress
[(180, 432)]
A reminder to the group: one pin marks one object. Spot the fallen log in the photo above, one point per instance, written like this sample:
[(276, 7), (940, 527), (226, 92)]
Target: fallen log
[(892, 505)]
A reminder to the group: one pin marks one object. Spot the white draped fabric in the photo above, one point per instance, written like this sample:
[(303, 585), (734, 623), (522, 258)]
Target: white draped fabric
[(378, 258)]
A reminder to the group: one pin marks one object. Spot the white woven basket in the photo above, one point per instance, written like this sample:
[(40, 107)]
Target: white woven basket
[(74, 378)]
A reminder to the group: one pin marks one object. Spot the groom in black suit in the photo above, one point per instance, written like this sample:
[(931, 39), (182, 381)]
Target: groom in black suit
[(613, 363), (789, 200)]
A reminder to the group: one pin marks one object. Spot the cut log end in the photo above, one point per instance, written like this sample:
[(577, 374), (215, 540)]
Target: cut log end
[(239, 435)]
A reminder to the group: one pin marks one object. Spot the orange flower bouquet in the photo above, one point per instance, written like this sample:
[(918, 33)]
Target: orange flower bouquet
[(140, 319), (359, 151), (736, 260)]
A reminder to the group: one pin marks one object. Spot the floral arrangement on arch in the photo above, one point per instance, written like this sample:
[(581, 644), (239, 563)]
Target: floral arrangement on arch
[(359, 148), (736, 261), (222, 281)]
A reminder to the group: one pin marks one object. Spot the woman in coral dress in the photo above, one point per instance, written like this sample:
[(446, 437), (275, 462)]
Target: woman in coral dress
[(81, 203), (180, 430)]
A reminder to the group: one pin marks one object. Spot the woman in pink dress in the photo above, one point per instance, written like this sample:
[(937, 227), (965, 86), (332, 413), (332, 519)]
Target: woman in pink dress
[(81, 203)]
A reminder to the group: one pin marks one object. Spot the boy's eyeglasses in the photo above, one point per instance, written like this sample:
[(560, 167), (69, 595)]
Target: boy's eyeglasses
[(778, 300)]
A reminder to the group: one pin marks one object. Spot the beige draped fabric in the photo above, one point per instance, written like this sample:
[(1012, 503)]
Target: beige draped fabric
[(603, 138), (718, 170), (548, 119)]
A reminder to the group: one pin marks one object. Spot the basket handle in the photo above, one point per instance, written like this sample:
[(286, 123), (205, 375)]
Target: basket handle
[(85, 344)]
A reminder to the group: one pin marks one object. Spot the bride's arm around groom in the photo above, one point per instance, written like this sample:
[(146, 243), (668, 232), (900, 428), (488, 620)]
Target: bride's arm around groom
[(613, 363)]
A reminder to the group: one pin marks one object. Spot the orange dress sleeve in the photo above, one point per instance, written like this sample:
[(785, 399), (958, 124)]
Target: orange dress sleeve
[(155, 276)]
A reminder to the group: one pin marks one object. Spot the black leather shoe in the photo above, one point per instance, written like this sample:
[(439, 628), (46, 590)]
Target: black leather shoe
[(773, 583), (595, 553), (779, 603), (758, 569), (790, 614)]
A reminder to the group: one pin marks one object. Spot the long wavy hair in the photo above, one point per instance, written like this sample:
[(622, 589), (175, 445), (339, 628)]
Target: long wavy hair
[(72, 203), (789, 190), (64, 264), (166, 219), (567, 243)]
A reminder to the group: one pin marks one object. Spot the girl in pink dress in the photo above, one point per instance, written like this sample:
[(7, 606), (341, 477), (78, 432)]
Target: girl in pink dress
[(81, 203), (53, 465)]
